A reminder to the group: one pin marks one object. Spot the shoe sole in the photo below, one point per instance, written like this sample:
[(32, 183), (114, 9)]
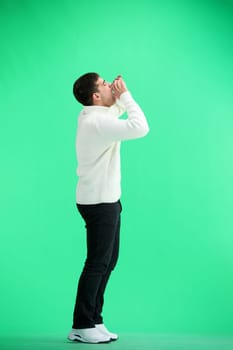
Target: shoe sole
[(114, 339), (82, 340)]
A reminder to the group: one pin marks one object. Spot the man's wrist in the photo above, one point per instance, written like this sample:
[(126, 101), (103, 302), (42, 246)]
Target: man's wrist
[(124, 95)]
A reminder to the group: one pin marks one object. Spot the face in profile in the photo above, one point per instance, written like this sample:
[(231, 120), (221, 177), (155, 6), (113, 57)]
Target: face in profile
[(104, 96)]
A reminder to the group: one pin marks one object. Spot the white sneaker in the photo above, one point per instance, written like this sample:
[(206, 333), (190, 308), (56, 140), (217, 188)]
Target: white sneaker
[(103, 330), (88, 335)]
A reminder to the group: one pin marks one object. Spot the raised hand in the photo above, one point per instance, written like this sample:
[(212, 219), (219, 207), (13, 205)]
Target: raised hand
[(118, 86)]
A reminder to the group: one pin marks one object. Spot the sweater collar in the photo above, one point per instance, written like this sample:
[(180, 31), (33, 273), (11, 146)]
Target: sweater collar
[(95, 108)]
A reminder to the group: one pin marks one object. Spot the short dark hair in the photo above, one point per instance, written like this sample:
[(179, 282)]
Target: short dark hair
[(84, 87)]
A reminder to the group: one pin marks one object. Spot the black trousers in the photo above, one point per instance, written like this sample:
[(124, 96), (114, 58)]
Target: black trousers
[(103, 236)]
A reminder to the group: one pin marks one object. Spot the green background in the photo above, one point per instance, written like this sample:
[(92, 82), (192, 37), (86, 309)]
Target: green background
[(175, 269)]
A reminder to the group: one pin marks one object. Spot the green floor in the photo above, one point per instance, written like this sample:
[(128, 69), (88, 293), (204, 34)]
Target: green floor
[(127, 341)]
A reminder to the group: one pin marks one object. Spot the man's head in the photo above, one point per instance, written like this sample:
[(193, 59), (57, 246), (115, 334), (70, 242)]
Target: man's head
[(90, 89)]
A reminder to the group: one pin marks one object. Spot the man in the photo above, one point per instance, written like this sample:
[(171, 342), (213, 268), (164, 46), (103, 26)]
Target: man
[(98, 192)]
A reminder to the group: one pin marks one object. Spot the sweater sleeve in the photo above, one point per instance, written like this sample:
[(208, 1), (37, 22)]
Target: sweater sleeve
[(133, 127), (117, 109)]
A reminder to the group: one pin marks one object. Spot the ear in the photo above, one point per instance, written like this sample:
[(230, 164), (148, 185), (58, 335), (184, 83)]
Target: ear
[(96, 97)]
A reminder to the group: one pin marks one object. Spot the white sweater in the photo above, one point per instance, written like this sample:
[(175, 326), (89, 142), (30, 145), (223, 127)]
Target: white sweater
[(98, 139)]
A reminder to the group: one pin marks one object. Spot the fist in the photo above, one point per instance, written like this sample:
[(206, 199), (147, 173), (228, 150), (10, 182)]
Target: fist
[(118, 86)]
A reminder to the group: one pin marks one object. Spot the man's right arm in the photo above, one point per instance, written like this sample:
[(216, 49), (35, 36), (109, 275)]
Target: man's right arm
[(135, 126)]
